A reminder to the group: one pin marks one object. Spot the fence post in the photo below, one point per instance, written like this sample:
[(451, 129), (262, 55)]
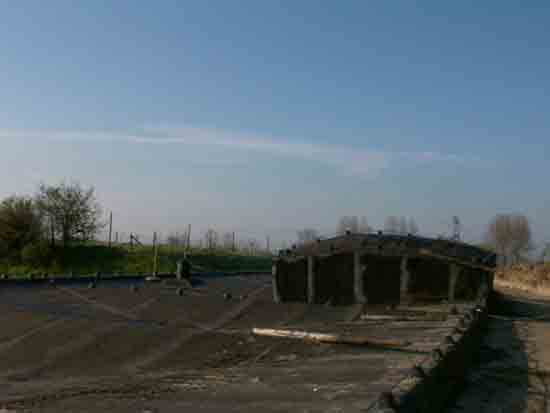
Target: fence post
[(110, 228), (155, 253)]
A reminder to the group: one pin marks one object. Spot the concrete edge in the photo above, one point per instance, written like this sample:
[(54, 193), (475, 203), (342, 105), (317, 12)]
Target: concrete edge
[(44, 278), (431, 384)]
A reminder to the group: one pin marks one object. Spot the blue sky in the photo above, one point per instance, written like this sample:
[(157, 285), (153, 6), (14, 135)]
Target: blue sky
[(264, 117)]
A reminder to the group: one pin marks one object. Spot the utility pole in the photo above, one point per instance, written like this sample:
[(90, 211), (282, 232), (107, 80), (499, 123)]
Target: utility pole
[(234, 245), (456, 229), (110, 228), (155, 253), (268, 244), (189, 237)]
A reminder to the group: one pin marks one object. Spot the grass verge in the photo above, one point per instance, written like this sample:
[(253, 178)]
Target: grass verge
[(90, 259)]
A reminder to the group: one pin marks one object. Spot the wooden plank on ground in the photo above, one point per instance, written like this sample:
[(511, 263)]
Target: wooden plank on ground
[(330, 338)]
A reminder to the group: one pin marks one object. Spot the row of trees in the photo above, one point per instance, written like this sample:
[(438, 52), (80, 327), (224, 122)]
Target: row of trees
[(353, 224), (394, 225), (401, 225), (65, 213), (357, 224), (214, 240), (228, 241), (55, 214)]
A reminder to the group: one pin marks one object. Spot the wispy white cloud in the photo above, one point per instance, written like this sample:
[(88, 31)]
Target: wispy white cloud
[(346, 159)]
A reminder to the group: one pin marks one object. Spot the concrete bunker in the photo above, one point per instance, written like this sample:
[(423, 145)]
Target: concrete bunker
[(381, 269)]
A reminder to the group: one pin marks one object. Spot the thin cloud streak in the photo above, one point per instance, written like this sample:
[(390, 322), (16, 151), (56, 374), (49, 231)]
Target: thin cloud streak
[(356, 162)]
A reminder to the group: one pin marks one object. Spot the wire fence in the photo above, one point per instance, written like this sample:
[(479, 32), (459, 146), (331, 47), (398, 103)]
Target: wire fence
[(209, 240)]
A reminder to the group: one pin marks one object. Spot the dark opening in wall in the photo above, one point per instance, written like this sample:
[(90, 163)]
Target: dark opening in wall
[(468, 283), (292, 280), (429, 279), (334, 279), (381, 278)]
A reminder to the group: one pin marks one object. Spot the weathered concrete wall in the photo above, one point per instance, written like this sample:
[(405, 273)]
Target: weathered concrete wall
[(428, 387), (334, 279), (383, 279), (291, 280), (359, 279)]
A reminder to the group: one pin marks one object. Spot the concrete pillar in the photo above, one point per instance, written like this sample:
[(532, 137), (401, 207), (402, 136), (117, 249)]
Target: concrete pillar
[(454, 272), (358, 271), (310, 280), (179, 270), (484, 285), (276, 292), (405, 276)]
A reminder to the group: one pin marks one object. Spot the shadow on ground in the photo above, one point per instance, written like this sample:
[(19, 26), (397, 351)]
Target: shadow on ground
[(506, 375)]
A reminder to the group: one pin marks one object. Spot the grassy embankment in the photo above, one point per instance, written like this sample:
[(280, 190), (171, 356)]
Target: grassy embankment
[(533, 278), (90, 259)]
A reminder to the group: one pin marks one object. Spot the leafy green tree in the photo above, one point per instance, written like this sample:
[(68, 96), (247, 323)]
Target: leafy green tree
[(71, 212), (20, 225)]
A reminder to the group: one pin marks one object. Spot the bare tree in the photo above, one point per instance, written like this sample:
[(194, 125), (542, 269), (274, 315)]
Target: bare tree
[(71, 211), (364, 225), (307, 235), (253, 246), (243, 245), (403, 227), (211, 239), (227, 241), (177, 239), (348, 223), (510, 235), (249, 246), (545, 253), (413, 226), (391, 225)]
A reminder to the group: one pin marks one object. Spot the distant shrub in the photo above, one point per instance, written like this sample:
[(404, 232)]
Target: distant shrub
[(38, 253), (3, 250), (20, 226)]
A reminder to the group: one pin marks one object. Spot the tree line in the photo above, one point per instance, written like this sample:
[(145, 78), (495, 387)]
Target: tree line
[(355, 224), (213, 240), (55, 216), (60, 215)]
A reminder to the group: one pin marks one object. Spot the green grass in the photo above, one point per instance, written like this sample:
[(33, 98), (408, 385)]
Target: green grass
[(89, 259)]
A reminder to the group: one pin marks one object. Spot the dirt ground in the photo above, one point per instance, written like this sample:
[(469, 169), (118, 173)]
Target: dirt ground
[(144, 347), (512, 373), (530, 278)]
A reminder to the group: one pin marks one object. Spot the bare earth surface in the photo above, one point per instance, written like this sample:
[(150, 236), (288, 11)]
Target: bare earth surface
[(512, 373), (70, 348)]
